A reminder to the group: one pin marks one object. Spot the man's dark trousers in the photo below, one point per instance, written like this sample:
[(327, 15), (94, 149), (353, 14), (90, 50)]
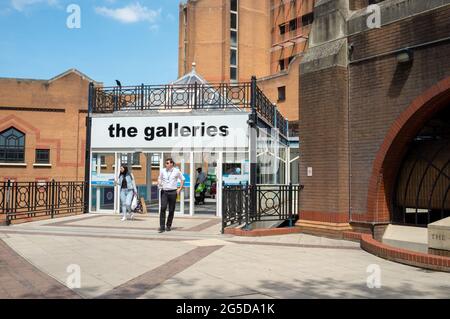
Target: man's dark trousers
[(167, 198)]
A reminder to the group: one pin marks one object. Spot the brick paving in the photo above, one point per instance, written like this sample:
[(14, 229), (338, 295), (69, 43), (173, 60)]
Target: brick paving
[(20, 279), (131, 260)]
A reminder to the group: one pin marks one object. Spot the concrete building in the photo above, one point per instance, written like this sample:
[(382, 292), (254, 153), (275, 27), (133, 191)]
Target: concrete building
[(232, 40), (374, 116)]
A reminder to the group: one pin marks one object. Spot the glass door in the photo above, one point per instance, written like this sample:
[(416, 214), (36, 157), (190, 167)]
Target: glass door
[(205, 183), (182, 162), (102, 183)]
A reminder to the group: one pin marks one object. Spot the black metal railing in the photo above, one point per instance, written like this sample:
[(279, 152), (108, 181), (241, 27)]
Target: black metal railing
[(246, 204), (24, 200), (189, 96)]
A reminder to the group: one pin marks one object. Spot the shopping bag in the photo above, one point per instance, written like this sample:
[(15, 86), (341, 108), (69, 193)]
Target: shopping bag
[(134, 202)]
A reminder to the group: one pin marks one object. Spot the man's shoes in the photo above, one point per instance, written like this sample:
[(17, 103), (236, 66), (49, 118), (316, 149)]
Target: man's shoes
[(168, 228), (161, 230), (123, 218)]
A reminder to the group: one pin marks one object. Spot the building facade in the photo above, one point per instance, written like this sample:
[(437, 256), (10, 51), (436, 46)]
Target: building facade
[(43, 128), (374, 116), (233, 40)]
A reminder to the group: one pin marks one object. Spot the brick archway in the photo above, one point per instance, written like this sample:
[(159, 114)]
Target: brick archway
[(395, 146)]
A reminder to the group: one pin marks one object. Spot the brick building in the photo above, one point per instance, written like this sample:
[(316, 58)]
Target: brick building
[(232, 40), (375, 116), (42, 127)]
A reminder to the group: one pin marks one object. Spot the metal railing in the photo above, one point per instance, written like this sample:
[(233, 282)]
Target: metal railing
[(246, 204), (189, 96), (24, 200)]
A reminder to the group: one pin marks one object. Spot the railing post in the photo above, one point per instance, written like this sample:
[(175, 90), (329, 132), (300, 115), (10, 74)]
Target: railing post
[(246, 192), (7, 201), (290, 204), (195, 95), (142, 96), (52, 196)]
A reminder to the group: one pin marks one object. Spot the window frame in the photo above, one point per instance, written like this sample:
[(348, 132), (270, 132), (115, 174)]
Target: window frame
[(18, 150), (37, 160)]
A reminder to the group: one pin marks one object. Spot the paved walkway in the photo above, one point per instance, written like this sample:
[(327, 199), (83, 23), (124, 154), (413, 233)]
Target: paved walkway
[(114, 259)]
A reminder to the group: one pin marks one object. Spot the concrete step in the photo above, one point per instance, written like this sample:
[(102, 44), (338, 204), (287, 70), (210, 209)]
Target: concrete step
[(407, 237)]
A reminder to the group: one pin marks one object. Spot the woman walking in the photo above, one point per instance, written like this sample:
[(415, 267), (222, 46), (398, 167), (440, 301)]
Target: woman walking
[(127, 190)]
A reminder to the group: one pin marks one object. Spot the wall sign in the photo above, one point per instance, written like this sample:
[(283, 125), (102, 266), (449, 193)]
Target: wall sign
[(172, 132)]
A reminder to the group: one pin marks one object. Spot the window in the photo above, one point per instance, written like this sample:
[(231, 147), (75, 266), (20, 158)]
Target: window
[(42, 157), (233, 57), (233, 73), (135, 159), (156, 158), (102, 160), (234, 5), (282, 28), (282, 64), (290, 59), (233, 39), (293, 25), (308, 18), (281, 94), (233, 21), (12, 146)]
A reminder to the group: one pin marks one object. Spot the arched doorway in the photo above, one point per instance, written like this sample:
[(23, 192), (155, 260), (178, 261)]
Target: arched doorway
[(397, 190), (422, 188)]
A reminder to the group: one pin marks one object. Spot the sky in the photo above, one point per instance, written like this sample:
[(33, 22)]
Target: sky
[(134, 41)]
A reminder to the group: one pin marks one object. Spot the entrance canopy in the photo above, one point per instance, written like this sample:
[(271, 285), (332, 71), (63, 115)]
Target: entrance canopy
[(190, 95)]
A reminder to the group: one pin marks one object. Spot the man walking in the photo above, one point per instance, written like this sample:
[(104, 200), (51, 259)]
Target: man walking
[(168, 182)]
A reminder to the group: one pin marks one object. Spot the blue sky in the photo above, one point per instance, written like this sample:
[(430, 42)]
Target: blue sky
[(135, 41)]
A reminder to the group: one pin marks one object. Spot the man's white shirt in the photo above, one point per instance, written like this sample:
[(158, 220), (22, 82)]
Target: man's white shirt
[(168, 180)]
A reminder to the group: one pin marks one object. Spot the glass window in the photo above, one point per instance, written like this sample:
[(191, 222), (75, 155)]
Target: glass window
[(42, 156), (135, 159), (293, 25), (12, 146), (234, 5), (233, 38), (282, 93), (233, 21), (282, 29), (233, 73), (156, 158), (233, 57), (308, 18), (282, 64)]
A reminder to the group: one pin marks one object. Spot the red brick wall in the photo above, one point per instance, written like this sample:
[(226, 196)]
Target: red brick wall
[(323, 136), (381, 90), (386, 98)]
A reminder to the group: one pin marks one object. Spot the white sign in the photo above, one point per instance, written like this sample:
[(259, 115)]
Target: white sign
[(310, 172), (102, 179), (172, 132)]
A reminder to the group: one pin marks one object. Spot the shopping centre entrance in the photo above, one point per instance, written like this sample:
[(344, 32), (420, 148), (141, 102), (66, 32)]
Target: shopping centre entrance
[(228, 134)]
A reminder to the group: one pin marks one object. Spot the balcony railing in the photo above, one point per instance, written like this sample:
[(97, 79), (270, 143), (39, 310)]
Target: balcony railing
[(189, 96)]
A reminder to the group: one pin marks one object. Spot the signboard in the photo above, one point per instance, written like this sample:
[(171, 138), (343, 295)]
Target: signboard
[(102, 180), (171, 132), (236, 179)]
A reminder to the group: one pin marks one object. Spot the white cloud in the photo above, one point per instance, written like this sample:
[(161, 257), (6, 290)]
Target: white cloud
[(130, 14), (21, 5)]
